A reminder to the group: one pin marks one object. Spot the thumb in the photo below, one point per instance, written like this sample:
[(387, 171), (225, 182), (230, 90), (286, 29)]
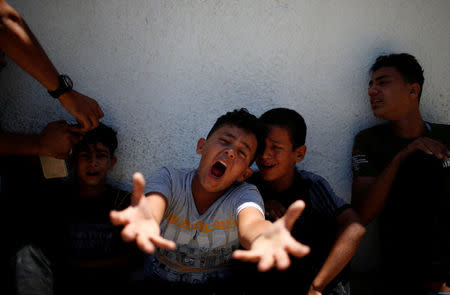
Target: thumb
[(292, 213), (138, 187)]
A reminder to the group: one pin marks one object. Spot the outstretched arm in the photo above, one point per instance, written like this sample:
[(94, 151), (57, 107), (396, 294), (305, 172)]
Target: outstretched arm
[(56, 140), (19, 43), (350, 233), (141, 221), (269, 244), (369, 194)]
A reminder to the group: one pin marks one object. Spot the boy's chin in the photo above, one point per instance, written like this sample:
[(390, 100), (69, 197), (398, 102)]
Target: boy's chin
[(91, 181), (267, 176)]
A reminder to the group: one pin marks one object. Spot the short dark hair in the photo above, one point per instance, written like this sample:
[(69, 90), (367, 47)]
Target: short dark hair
[(289, 119), (242, 119), (406, 64), (103, 134)]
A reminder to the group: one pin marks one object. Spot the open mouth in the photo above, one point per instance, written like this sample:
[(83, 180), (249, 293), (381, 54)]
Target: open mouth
[(375, 102), (267, 166), (92, 173), (218, 169)]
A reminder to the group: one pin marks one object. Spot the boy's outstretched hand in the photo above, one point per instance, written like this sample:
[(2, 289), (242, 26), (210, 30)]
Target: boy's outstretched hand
[(139, 222), (273, 246)]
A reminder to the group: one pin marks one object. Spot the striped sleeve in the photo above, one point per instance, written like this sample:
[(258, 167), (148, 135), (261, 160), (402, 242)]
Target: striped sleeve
[(323, 198)]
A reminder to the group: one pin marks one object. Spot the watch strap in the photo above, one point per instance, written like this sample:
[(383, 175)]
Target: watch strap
[(65, 84)]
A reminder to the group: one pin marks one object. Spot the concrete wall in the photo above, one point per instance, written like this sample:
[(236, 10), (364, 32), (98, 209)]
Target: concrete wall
[(164, 70)]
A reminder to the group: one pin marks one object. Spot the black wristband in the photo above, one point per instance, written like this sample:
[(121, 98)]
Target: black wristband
[(65, 84)]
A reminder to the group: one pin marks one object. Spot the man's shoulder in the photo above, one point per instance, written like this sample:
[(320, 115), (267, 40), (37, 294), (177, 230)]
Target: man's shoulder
[(439, 126), (441, 132)]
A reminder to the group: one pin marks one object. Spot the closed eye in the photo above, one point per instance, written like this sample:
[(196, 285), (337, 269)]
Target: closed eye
[(223, 141), (242, 154)]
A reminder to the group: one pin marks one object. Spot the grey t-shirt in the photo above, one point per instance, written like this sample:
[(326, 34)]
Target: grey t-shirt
[(205, 241)]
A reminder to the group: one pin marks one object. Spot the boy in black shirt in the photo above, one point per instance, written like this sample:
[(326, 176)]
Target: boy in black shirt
[(328, 224), (77, 249)]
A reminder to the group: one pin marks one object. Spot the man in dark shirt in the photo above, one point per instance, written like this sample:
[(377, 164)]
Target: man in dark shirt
[(400, 173)]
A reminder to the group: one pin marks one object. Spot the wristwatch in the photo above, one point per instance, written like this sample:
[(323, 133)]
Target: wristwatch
[(65, 84)]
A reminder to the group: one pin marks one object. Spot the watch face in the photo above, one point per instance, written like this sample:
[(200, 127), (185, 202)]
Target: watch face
[(67, 81), (65, 84)]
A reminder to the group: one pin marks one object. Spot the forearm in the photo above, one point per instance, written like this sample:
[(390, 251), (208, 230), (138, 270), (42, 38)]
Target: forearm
[(369, 198), (250, 236), (340, 255), (249, 233), (19, 43), (20, 144)]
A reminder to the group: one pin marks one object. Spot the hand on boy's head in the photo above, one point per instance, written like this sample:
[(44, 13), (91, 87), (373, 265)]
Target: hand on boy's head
[(138, 223), (85, 109), (57, 139), (275, 244)]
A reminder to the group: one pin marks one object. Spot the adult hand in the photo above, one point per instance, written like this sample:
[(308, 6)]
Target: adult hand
[(273, 246), (85, 109), (57, 139), (139, 223), (429, 146)]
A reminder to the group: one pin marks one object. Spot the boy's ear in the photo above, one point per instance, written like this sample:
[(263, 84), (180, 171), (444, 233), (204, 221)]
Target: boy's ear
[(246, 174), (300, 153), (113, 162), (200, 144), (415, 90)]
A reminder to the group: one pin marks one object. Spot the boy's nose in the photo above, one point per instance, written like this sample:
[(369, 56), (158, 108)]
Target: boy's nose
[(266, 153), (93, 160), (372, 91), (230, 153)]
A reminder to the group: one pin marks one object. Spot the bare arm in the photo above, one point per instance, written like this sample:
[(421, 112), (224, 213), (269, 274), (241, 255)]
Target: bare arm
[(369, 194), (20, 44), (350, 233), (269, 244), (142, 219), (55, 140)]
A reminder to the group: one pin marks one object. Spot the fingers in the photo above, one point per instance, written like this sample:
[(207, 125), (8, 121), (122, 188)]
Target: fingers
[(85, 109), (431, 147), (76, 129), (163, 243), (298, 249), (280, 259), (85, 123), (119, 217), (292, 213), (246, 255), (144, 244), (99, 111), (266, 263), (138, 187)]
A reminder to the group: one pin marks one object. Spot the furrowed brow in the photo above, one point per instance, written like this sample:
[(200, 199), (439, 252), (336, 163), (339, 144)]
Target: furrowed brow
[(382, 77), (227, 134)]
